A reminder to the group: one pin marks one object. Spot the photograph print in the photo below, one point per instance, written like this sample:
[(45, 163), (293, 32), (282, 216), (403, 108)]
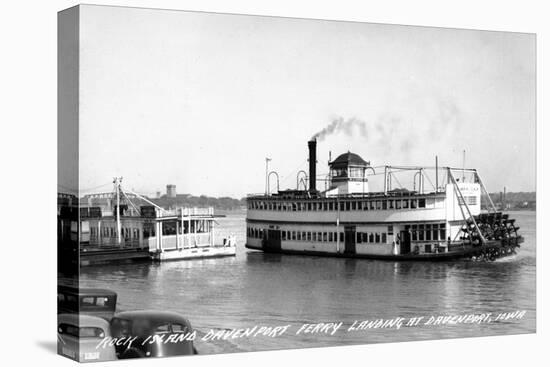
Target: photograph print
[(235, 183)]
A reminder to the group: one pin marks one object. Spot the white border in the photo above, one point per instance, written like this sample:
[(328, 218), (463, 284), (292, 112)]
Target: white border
[(28, 151)]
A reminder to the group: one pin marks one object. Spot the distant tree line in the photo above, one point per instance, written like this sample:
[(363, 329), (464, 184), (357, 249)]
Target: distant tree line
[(185, 200), (512, 200), (515, 200)]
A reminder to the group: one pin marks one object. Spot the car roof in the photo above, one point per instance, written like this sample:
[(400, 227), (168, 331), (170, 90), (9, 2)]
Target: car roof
[(154, 316), (86, 291), (81, 320)]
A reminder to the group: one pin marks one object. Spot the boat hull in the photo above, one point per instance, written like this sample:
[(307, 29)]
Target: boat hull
[(489, 251), (194, 253)]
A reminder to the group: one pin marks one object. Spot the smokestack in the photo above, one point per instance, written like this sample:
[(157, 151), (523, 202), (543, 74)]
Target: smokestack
[(312, 145)]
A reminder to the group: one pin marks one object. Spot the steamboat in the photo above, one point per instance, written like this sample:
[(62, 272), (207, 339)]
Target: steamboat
[(125, 230), (345, 219)]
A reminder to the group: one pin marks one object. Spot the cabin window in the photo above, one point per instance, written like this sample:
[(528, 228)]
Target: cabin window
[(359, 237), (325, 236), (421, 232), (365, 237), (384, 239), (390, 204), (406, 204), (413, 204), (397, 204), (308, 236), (168, 228), (148, 230), (378, 205), (330, 236), (434, 232), (283, 236), (348, 205), (428, 232), (390, 230), (377, 237), (371, 237), (384, 205), (341, 236), (421, 203), (442, 234), (293, 235)]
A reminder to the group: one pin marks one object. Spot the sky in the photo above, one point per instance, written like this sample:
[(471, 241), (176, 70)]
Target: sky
[(200, 100)]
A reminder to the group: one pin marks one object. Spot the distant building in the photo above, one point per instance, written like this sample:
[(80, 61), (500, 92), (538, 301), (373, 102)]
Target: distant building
[(171, 191)]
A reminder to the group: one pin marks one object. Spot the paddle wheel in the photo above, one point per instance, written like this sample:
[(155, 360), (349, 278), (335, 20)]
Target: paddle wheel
[(493, 234)]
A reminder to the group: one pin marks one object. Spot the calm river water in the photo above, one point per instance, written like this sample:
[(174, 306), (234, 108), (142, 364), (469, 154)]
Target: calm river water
[(260, 289)]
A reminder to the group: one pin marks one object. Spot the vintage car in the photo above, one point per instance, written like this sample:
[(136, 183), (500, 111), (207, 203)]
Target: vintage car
[(86, 301), (80, 338), (152, 334)]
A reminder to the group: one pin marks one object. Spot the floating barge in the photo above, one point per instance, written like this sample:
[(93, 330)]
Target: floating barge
[(128, 232), (347, 220)]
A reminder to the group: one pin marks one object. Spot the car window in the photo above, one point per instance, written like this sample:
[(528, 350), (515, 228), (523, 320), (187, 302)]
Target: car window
[(88, 300), (68, 329), (102, 301), (162, 329), (178, 328), (91, 332)]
